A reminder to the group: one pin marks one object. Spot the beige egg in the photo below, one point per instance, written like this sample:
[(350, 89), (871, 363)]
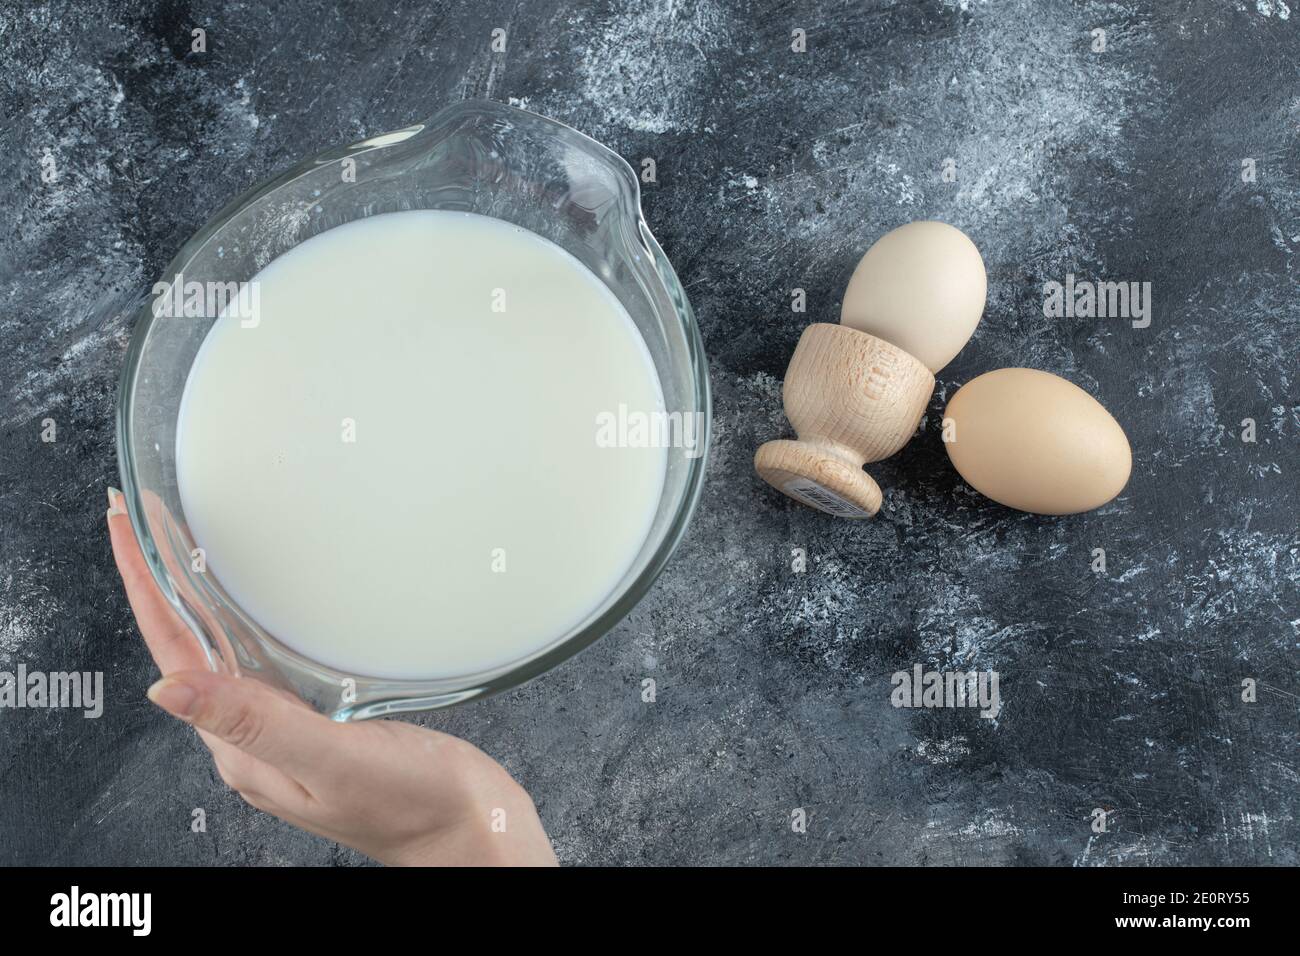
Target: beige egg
[(1033, 441), (921, 287)]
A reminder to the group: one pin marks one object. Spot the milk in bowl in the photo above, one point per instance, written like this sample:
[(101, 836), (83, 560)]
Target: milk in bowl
[(393, 461)]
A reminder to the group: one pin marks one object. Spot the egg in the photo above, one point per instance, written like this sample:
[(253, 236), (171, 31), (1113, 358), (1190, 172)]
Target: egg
[(921, 288), (1033, 441)]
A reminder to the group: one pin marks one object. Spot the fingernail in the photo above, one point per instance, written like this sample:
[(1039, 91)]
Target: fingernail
[(177, 698), (115, 503)]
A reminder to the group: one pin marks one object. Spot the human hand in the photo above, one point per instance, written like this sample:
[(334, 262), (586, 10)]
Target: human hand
[(398, 793)]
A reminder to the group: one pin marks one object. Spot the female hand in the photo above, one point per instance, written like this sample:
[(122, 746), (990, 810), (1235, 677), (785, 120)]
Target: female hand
[(396, 792)]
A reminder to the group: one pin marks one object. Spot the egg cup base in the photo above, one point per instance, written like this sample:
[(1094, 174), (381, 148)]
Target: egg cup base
[(818, 478)]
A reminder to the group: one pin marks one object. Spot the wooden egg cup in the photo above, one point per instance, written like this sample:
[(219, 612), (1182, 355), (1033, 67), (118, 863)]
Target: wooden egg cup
[(852, 398)]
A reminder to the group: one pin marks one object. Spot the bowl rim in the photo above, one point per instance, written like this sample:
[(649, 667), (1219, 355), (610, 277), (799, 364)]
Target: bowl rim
[(406, 695)]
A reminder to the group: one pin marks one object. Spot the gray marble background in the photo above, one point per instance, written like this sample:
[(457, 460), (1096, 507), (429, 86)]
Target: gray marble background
[(776, 170)]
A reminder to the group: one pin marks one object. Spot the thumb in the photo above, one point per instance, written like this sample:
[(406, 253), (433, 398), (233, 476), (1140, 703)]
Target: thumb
[(252, 717)]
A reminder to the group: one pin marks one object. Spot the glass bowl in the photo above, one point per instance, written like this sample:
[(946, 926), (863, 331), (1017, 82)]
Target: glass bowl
[(474, 156)]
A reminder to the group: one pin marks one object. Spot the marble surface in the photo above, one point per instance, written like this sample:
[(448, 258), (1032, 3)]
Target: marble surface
[(1121, 690)]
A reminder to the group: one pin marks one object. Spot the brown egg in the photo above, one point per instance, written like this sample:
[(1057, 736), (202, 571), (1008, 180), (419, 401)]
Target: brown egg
[(1033, 441)]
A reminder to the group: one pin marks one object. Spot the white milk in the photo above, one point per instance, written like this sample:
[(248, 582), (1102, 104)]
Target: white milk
[(473, 517)]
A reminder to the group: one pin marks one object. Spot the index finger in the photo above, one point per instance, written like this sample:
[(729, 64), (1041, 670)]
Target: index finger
[(170, 642)]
